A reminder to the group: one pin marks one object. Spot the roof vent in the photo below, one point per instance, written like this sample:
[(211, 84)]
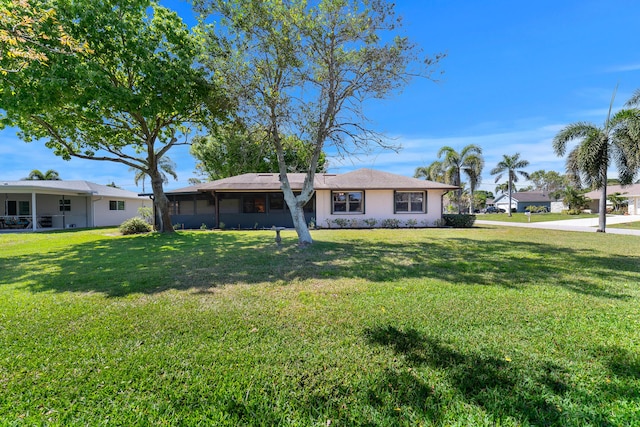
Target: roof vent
[(265, 174)]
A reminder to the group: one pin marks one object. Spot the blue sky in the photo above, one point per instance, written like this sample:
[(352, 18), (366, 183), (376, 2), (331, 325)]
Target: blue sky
[(515, 74)]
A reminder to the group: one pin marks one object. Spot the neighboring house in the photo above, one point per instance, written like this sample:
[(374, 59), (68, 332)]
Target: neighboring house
[(520, 201), (65, 204), (631, 192), (254, 200)]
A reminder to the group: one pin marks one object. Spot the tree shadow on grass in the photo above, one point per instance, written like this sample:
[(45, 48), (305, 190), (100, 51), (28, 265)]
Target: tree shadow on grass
[(502, 389), (152, 263)]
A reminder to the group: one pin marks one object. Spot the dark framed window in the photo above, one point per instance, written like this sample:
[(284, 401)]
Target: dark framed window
[(254, 204), (410, 202), (276, 202), (116, 205), (23, 208), (65, 205), (347, 202)]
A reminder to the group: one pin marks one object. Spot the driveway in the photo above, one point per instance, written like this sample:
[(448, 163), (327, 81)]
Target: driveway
[(583, 224)]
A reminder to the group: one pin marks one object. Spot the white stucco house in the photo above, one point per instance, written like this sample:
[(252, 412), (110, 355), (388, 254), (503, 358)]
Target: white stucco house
[(354, 199), (630, 192), (65, 204)]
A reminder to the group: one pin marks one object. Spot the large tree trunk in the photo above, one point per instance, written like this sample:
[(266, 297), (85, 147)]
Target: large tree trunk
[(161, 204), (296, 206)]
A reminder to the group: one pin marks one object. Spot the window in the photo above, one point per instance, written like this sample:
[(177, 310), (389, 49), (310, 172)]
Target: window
[(276, 202), (254, 204), (174, 207), (65, 205), (410, 201), (20, 207), (23, 208), (347, 202), (116, 205)]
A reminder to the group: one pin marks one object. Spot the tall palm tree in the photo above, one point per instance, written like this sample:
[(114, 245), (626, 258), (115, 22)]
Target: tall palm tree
[(37, 175), (468, 160), (473, 169), (598, 147), (166, 167), (513, 166)]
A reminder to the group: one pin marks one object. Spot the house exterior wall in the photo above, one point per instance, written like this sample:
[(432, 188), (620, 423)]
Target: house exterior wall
[(103, 216), (379, 205), (634, 205), (503, 203), (557, 207)]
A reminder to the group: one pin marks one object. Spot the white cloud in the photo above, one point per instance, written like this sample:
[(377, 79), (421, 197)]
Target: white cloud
[(623, 68)]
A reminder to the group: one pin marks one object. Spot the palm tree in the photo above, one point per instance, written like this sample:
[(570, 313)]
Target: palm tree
[(166, 166), (473, 169), (615, 142), (433, 172), (36, 175), (469, 161), (503, 188), (512, 165)]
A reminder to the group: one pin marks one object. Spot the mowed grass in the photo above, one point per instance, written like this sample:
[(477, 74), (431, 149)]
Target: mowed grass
[(627, 225), (536, 217), (482, 326)]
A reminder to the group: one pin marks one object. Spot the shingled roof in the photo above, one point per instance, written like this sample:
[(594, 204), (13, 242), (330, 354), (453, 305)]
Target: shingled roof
[(365, 179), (71, 187), (527, 196)]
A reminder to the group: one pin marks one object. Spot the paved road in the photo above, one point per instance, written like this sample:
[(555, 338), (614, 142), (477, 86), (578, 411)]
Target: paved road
[(583, 224)]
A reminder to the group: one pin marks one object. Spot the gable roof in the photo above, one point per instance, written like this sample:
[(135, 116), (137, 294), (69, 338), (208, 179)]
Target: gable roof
[(81, 188), (527, 197), (361, 179)]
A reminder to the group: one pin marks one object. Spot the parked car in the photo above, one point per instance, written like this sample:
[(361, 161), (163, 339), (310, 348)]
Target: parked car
[(493, 209)]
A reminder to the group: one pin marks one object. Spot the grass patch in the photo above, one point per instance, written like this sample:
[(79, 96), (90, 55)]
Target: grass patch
[(627, 225), (536, 217), (365, 327)]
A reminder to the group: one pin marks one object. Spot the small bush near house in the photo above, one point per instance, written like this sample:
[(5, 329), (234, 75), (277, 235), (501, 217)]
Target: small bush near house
[(459, 220), (536, 209), (390, 223), (135, 225), (572, 212), (340, 222), (370, 222)]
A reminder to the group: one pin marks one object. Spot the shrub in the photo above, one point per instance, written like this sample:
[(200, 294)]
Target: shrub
[(572, 212), (203, 226), (536, 209), (340, 222), (459, 220), (135, 225), (146, 213), (370, 222), (390, 223), (412, 223)]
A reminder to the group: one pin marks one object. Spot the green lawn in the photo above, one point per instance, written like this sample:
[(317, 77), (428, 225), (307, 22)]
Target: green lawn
[(537, 217), (628, 225), (489, 326)]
